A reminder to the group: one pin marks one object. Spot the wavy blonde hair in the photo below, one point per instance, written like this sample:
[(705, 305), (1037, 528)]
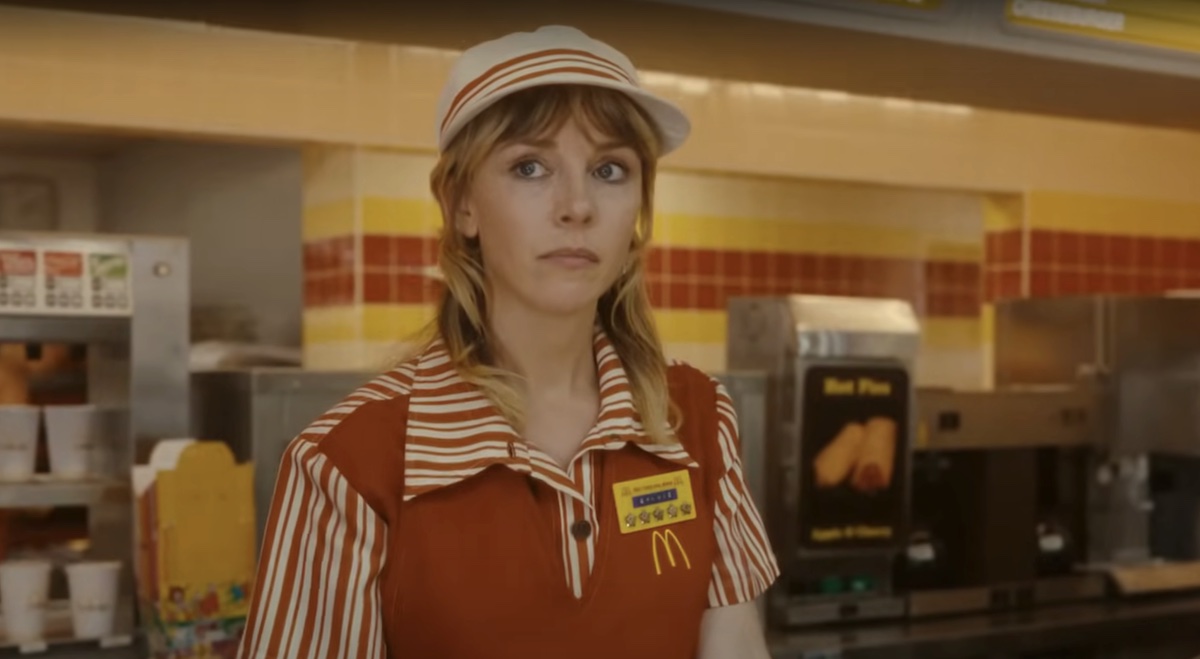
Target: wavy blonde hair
[(623, 311)]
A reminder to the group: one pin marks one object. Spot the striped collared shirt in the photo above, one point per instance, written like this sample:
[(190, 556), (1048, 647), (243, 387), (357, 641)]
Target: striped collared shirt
[(453, 433)]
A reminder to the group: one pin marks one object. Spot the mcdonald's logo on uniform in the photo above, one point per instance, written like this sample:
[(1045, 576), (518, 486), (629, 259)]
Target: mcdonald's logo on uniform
[(665, 538)]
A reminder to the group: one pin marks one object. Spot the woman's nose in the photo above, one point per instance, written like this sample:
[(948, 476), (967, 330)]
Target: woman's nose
[(575, 200)]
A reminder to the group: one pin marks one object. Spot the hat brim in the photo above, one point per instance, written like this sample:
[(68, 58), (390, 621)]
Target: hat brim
[(672, 123)]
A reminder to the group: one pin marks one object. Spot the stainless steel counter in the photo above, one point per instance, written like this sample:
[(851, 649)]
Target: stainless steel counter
[(1146, 629)]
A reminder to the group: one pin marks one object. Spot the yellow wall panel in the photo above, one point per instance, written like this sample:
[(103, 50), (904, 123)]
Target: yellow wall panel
[(400, 217), (952, 333), (690, 326), (1066, 211), (395, 322), (331, 324), (1002, 212), (987, 323), (961, 252), (844, 238), (190, 78), (330, 220)]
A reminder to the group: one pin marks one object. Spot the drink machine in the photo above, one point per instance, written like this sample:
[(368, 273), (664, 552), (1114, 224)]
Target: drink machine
[(1141, 357), (838, 425), (121, 303)]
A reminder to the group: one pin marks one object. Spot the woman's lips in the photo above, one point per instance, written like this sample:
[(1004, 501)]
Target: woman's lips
[(573, 258)]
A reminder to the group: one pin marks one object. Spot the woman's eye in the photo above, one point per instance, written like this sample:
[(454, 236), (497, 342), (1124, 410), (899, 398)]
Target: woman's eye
[(529, 169), (611, 171)]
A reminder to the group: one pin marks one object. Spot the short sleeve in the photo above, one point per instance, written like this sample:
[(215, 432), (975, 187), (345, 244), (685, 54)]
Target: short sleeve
[(317, 590), (745, 566)]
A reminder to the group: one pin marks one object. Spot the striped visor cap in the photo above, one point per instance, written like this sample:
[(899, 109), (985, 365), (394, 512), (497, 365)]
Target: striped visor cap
[(552, 55)]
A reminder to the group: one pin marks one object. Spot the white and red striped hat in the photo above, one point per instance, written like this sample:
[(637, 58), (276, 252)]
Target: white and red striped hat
[(551, 55)]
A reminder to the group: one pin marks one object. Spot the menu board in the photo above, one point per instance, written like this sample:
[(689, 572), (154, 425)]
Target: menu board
[(110, 281), (854, 443), (885, 6), (18, 277), (1172, 25), (911, 4), (63, 280), (65, 277)]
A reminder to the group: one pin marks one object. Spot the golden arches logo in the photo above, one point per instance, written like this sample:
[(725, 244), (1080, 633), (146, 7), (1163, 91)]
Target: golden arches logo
[(665, 537)]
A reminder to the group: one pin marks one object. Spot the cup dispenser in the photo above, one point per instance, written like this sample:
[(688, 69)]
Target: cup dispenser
[(115, 310)]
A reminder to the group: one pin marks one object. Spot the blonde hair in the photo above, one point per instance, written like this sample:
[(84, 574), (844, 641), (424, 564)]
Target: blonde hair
[(624, 311)]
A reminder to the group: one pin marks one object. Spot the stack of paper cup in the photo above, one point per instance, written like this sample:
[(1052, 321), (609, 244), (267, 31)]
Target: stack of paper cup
[(24, 590), (72, 436), (19, 426), (94, 588)]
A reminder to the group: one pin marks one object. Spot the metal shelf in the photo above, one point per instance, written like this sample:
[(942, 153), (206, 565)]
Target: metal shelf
[(45, 492), (65, 329), (61, 643)]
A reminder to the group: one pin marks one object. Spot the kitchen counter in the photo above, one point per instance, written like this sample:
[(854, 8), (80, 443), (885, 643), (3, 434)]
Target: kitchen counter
[(1142, 627)]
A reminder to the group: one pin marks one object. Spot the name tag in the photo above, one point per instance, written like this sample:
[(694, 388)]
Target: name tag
[(655, 501)]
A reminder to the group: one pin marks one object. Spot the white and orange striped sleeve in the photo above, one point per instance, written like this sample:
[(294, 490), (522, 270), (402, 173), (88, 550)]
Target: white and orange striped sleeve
[(317, 590), (745, 566)]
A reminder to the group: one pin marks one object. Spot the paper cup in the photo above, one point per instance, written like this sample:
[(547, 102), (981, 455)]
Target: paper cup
[(24, 589), (94, 587), (19, 426), (72, 438)]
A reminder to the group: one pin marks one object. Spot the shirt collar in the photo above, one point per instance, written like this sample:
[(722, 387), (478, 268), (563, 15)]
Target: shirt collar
[(454, 432)]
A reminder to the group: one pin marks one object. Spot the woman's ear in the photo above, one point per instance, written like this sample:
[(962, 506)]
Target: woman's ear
[(466, 220), (460, 216)]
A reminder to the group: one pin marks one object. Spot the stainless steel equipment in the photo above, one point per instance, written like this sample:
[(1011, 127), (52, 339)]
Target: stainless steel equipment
[(259, 411), (839, 420), (1141, 356), (124, 300), (999, 501)]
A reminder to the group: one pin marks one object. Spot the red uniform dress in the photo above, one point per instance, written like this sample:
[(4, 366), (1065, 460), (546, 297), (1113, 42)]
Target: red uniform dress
[(412, 521)]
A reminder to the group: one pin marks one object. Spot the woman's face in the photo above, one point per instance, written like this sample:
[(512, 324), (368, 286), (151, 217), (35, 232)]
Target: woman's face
[(555, 217)]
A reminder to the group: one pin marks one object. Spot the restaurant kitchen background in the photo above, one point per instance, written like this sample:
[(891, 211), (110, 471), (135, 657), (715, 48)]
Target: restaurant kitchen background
[(938, 168)]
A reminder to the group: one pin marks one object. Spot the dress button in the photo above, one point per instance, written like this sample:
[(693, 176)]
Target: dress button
[(581, 530)]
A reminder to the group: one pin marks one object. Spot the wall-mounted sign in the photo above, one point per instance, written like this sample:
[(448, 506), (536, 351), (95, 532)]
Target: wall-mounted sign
[(110, 281), (41, 274), (929, 5), (854, 439), (1172, 25), (923, 8), (18, 277), (64, 281)]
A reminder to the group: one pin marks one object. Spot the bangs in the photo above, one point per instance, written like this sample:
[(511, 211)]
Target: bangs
[(539, 111)]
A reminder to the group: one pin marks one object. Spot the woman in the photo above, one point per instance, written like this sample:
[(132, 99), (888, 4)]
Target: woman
[(537, 482)]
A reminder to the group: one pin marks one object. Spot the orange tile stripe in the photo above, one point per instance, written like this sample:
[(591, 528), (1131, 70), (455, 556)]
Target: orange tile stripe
[(1085, 263), (677, 277)]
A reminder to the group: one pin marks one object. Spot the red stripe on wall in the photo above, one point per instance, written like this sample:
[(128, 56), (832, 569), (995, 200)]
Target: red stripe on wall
[(676, 277), (329, 271), (1062, 263)]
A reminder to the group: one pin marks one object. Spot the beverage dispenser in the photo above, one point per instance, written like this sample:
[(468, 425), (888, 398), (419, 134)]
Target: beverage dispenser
[(121, 306), (1140, 355)]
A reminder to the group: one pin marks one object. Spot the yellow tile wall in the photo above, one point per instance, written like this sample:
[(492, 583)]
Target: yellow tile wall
[(134, 74), (694, 210), (1113, 214), (105, 72)]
